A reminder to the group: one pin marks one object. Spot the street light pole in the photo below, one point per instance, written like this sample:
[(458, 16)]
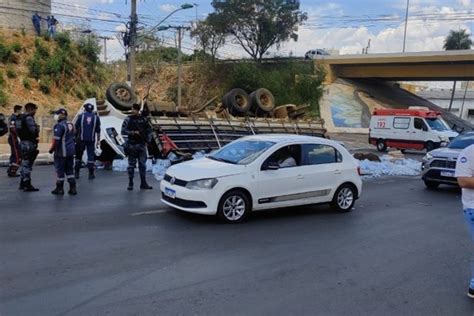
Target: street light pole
[(133, 42), (406, 25)]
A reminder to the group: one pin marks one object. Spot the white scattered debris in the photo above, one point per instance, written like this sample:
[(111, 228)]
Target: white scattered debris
[(157, 168), (390, 167)]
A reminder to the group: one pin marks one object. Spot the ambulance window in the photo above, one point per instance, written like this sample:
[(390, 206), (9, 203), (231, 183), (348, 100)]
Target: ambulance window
[(401, 122), (419, 124)]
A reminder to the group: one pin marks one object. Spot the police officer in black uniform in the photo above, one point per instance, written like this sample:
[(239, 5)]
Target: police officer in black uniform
[(138, 134), (64, 148), (13, 141), (29, 136)]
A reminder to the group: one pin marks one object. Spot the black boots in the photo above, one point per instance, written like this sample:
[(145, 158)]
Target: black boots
[(130, 184), (91, 174), (59, 188), (27, 187), (72, 187), (144, 185)]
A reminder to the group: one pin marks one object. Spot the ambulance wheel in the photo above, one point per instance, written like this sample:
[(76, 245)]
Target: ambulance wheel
[(429, 146), (381, 145)]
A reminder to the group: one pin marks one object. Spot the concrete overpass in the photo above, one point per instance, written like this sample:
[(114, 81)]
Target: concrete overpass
[(422, 66)]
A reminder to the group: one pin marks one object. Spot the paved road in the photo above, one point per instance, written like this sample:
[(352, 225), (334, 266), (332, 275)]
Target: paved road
[(403, 251)]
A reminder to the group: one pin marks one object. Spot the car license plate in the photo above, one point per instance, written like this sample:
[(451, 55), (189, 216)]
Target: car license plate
[(170, 193), (447, 174)]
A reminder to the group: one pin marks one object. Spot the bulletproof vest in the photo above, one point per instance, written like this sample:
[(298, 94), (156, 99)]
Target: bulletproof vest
[(137, 123), (24, 132)]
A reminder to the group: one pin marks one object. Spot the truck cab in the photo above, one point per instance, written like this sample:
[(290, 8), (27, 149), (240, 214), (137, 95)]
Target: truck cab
[(402, 129)]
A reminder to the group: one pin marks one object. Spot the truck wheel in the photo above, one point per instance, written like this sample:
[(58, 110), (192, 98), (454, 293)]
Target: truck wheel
[(121, 96), (262, 100), (431, 185), (237, 101), (429, 146), (381, 145)]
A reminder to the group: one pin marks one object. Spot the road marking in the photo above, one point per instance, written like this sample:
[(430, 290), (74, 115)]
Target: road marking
[(149, 212)]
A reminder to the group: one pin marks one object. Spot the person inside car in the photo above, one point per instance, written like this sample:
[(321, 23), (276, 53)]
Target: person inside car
[(286, 160)]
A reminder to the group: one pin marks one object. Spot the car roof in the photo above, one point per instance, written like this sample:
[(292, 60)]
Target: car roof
[(287, 138)]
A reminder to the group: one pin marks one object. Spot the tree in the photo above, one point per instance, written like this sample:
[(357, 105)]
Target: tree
[(456, 40), (257, 25), (209, 36)]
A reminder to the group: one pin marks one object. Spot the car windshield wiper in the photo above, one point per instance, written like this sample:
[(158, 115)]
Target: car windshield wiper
[(222, 160)]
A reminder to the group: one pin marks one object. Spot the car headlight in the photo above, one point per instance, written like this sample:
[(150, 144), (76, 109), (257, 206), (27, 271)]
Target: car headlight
[(427, 157), (203, 184)]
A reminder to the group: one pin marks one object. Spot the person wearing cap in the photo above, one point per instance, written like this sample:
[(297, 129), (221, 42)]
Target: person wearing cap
[(63, 147), (28, 132), (138, 134), (87, 138), (13, 141)]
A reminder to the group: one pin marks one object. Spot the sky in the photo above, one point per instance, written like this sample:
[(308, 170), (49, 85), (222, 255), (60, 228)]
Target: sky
[(346, 26)]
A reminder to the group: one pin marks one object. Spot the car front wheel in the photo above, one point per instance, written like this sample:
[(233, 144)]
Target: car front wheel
[(344, 198), (431, 185), (234, 207)]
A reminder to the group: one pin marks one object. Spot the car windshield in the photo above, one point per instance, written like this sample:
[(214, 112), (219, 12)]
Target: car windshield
[(462, 141), (241, 152), (437, 124)]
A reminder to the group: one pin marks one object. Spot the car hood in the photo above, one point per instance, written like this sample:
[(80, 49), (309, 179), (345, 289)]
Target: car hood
[(204, 168), (450, 134), (445, 153)]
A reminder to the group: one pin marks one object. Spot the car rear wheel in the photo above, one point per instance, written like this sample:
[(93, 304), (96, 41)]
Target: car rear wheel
[(344, 198), (234, 207), (431, 185), (381, 145)]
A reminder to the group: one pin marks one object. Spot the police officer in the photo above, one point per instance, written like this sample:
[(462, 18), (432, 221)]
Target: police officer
[(29, 137), (13, 141), (87, 133), (63, 147), (138, 133)]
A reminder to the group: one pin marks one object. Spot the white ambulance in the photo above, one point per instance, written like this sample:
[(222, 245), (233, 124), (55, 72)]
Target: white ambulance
[(413, 128)]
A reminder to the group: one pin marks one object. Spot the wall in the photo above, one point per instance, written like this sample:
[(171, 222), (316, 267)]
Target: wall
[(16, 14)]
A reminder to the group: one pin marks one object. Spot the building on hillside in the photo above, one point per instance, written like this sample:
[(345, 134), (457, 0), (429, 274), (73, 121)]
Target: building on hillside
[(463, 101), (16, 14)]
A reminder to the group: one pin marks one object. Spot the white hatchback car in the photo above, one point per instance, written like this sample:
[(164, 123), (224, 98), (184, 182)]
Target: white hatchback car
[(264, 172)]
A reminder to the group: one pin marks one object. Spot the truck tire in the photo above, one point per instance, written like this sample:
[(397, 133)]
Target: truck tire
[(381, 145), (121, 96), (262, 101), (237, 101)]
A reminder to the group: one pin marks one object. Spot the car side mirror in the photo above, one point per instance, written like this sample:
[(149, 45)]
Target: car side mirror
[(425, 129), (271, 166)]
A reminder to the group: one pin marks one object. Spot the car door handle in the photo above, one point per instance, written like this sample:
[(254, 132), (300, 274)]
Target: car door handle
[(337, 172), (299, 177)]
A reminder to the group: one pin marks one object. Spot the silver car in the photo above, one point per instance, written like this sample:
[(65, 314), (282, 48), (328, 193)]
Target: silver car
[(438, 166)]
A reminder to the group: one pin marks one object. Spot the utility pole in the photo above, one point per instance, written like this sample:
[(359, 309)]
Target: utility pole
[(406, 25), (105, 38), (180, 66), (132, 46)]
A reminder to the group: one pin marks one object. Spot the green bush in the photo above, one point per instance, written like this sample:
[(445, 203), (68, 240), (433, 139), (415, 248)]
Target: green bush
[(90, 49), (11, 73), (63, 40), (5, 53), (3, 98), (79, 94), (41, 50), (35, 67), (2, 81), (27, 84), (16, 47), (45, 86)]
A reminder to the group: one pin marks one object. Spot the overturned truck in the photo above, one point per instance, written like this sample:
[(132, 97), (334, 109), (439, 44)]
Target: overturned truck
[(184, 133)]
